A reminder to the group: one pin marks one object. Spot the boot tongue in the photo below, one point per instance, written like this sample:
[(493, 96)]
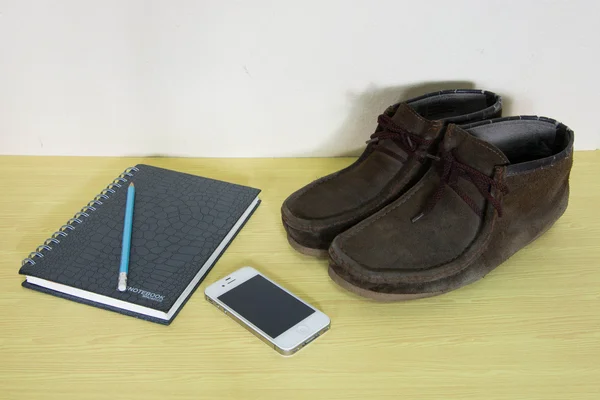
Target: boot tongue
[(410, 120), (472, 151)]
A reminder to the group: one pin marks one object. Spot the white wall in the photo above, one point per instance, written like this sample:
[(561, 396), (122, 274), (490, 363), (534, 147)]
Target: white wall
[(277, 78)]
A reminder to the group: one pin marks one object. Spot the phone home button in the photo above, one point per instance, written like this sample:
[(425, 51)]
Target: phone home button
[(302, 329)]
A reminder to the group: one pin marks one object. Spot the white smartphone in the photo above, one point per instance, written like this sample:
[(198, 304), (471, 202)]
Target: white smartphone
[(270, 312)]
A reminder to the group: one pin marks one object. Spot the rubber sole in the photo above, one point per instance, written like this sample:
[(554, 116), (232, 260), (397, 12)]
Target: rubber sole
[(309, 251), (382, 297)]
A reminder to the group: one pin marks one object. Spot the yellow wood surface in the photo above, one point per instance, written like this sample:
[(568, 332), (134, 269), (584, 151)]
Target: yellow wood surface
[(529, 330)]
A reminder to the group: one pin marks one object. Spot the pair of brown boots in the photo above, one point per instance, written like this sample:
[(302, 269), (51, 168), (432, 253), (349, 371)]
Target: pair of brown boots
[(445, 191)]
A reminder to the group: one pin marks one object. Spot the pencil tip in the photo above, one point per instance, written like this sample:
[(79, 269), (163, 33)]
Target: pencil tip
[(131, 184)]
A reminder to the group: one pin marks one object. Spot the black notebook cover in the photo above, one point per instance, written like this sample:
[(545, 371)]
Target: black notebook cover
[(179, 223)]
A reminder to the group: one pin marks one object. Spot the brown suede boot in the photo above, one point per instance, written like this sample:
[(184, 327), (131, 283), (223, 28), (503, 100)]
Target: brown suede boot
[(497, 186), (396, 157)]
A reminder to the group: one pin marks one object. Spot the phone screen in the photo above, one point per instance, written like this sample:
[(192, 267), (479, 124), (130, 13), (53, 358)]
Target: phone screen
[(266, 306)]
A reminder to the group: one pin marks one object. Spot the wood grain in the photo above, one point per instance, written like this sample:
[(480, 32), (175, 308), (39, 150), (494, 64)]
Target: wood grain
[(530, 329)]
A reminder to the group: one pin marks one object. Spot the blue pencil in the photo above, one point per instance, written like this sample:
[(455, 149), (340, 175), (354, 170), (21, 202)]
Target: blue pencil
[(126, 246)]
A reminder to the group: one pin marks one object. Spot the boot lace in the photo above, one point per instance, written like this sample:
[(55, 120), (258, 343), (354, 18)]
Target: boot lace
[(407, 141), (450, 169)]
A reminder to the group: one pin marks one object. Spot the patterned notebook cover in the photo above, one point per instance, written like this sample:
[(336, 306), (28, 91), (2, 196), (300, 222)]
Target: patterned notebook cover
[(181, 225)]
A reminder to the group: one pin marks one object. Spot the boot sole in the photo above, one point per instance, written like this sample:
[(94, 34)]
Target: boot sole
[(309, 251), (382, 297)]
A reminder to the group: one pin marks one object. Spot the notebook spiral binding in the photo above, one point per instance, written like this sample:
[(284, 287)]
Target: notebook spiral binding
[(77, 218)]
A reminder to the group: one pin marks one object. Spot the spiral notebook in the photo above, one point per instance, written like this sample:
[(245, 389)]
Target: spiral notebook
[(182, 223)]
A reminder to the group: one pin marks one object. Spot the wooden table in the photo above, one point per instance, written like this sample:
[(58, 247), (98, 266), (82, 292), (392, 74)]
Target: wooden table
[(529, 330)]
